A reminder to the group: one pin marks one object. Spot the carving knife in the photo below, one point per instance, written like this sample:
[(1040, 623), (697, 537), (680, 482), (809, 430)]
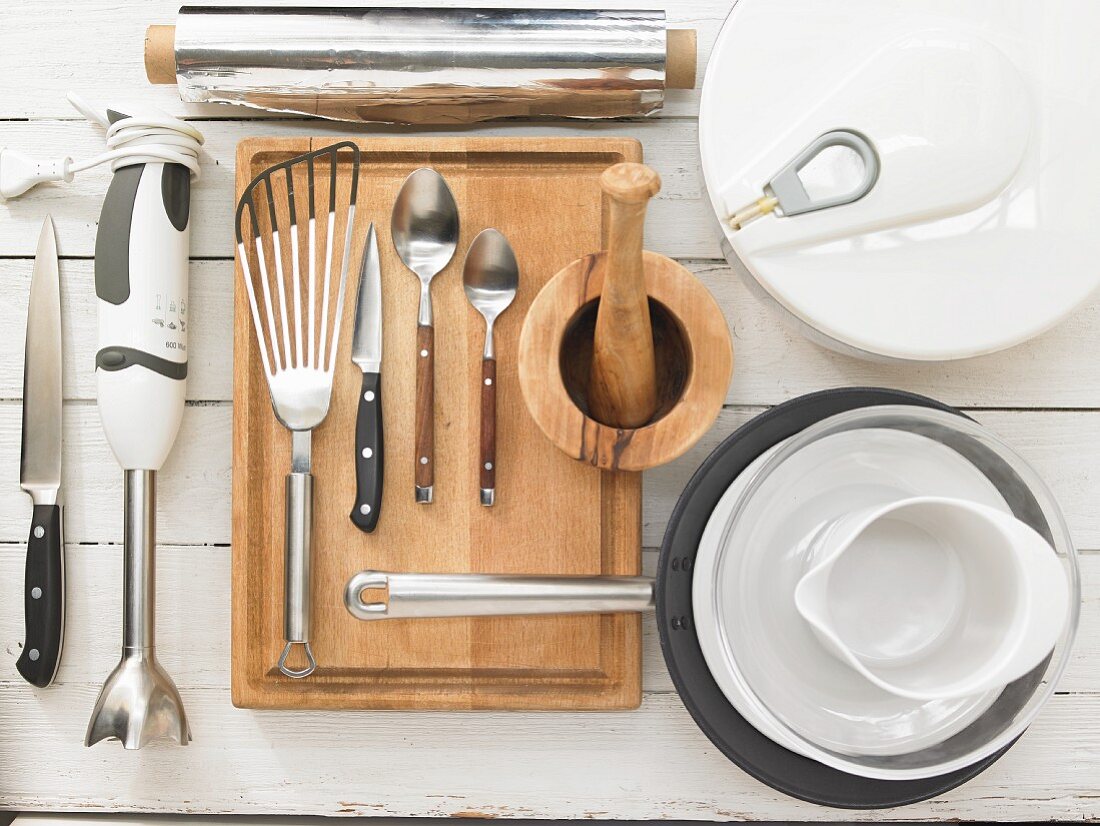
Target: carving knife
[(40, 470), (366, 352)]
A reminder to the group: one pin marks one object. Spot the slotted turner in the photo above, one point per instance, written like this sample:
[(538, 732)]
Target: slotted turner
[(297, 325)]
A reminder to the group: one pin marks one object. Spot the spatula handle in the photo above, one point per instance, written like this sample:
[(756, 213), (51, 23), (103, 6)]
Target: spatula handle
[(297, 586), (622, 388), (425, 413)]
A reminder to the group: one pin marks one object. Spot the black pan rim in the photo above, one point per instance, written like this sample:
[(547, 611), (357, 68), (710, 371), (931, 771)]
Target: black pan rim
[(734, 736)]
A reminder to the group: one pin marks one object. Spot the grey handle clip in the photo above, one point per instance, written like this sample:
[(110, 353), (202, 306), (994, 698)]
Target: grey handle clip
[(786, 192), (787, 186)]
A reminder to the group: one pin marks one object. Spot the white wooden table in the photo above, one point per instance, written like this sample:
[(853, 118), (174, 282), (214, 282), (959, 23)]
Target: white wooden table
[(1043, 397)]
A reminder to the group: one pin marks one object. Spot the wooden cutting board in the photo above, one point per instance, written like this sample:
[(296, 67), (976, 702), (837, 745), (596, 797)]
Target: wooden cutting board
[(553, 515)]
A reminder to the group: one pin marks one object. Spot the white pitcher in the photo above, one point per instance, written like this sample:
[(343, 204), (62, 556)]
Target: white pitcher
[(934, 598)]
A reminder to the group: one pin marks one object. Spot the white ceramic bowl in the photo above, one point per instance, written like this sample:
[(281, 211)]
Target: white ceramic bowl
[(773, 669)]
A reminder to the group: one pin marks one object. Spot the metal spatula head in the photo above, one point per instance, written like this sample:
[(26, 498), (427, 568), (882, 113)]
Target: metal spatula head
[(296, 298)]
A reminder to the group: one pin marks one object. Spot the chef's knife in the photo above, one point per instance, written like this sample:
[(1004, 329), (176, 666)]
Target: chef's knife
[(366, 352), (40, 469)]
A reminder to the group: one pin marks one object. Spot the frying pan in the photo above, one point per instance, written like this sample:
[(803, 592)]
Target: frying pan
[(428, 595)]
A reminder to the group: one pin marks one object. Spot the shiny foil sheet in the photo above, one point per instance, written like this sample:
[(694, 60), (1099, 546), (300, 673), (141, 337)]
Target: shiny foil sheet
[(424, 66)]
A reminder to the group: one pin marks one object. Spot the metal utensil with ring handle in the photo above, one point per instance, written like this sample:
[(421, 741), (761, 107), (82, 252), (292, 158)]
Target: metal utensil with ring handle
[(299, 369), (487, 595)]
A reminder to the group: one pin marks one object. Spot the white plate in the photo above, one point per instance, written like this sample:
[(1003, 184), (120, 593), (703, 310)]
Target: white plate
[(980, 230), (776, 653)]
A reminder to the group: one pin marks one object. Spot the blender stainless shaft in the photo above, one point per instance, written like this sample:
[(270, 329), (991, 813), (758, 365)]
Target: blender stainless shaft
[(139, 701)]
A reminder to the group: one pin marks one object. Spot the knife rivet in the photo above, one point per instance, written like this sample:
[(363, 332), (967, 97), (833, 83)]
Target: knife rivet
[(34, 655), (488, 465), (423, 354), (367, 453), (364, 509), (36, 592), (488, 382), (39, 532), (423, 460), (369, 396)]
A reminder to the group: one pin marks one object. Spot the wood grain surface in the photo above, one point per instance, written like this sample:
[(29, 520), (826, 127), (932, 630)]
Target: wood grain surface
[(692, 349), (622, 385), (577, 662)]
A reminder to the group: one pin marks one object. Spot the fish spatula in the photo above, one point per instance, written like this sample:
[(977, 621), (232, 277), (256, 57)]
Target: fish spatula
[(296, 298)]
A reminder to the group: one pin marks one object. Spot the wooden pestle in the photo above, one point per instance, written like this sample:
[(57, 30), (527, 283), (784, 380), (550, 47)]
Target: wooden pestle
[(622, 387)]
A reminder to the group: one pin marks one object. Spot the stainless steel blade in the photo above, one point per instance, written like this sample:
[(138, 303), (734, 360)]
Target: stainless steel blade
[(40, 460), (366, 341)]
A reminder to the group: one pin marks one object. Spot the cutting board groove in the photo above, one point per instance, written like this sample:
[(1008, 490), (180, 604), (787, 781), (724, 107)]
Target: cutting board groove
[(553, 515)]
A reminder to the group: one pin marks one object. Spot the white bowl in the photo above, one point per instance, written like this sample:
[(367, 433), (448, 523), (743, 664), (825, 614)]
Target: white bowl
[(770, 665)]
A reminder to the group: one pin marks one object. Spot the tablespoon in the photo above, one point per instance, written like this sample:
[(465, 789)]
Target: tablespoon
[(424, 227), (490, 278)]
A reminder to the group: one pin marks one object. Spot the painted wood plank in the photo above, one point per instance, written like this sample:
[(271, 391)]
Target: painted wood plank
[(108, 54), (773, 363), (652, 763), (194, 581), (194, 486), (678, 224), (209, 344)]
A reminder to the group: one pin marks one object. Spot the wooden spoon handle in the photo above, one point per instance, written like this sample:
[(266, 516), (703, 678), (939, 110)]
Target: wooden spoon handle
[(622, 389), (425, 413), (487, 473)]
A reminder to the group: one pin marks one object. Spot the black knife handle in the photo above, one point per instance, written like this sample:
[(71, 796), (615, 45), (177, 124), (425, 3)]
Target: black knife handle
[(368, 454), (44, 598)]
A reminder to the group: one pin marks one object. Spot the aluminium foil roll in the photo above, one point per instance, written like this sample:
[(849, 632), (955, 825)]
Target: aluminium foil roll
[(423, 65)]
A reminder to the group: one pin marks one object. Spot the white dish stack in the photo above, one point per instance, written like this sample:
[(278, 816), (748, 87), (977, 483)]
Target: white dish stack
[(845, 569)]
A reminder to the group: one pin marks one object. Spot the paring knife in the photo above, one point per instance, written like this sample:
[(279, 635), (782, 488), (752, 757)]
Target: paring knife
[(40, 469), (366, 352)]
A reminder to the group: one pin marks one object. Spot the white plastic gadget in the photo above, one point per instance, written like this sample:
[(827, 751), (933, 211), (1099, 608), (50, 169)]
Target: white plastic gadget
[(977, 232)]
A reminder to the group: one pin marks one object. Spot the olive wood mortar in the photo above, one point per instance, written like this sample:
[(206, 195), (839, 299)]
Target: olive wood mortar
[(624, 356)]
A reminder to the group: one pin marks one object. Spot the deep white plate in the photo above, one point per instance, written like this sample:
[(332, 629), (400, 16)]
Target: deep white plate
[(766, 645)]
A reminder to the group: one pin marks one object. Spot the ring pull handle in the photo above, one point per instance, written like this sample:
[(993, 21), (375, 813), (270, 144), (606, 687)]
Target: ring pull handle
[(297, 673), (787, 193)]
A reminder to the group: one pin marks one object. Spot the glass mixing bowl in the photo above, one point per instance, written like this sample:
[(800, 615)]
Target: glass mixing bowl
[(755, 664)]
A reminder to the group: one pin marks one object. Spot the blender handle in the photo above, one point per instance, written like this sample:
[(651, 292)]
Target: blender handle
[(486, 595), (141, 274)]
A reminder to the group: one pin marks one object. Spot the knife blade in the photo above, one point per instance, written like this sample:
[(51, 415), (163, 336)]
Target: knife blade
[(40, 469), (366, 352)]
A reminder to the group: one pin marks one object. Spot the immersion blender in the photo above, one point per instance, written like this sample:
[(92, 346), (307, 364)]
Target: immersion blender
[(141, 266)]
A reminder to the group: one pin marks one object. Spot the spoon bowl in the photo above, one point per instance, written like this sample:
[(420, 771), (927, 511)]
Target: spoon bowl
[(490, 278), (424, 228)]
